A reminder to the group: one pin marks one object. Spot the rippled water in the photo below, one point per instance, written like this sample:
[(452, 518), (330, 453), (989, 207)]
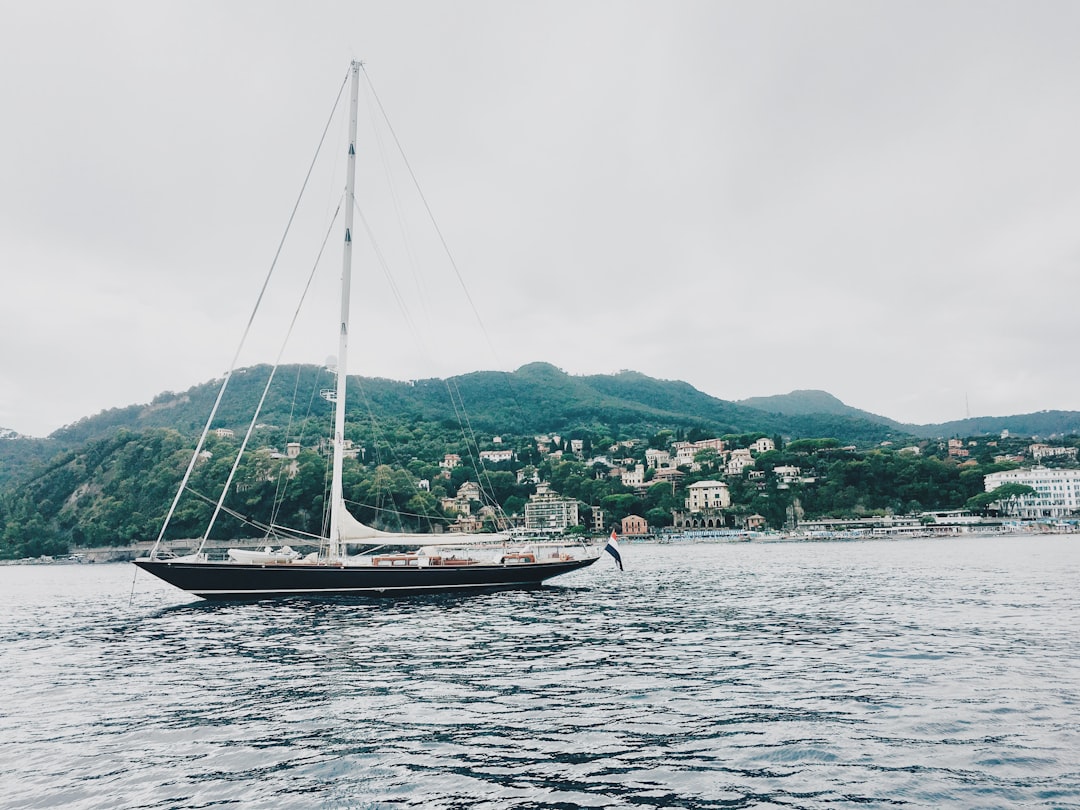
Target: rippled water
[(921, 673)]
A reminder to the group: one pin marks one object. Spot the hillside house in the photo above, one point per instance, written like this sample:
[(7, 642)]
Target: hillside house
[(786, 475), (470, 490), (763, 445), (707, 495), (657, 459), (634, 477), (1041, 451), (669, 474), (738, 461), (754, 522)]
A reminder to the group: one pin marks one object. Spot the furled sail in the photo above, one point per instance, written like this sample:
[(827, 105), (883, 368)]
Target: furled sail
[(351, 530)]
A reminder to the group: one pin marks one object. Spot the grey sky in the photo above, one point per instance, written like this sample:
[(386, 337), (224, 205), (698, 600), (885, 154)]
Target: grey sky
[(876, 199)]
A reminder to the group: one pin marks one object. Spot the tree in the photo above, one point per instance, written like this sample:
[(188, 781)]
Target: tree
[(619, 506), (707, 457), (1002, 495)]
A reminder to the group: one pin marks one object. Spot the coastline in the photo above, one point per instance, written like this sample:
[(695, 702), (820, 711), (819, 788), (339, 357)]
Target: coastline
[(116, 554)]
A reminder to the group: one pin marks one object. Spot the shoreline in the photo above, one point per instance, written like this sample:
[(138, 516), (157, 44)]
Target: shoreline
[(129, 553)]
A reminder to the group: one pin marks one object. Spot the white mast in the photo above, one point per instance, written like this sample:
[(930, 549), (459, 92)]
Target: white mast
[(337, 497)]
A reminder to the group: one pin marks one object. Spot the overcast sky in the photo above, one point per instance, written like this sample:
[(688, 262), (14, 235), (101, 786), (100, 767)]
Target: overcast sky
[(877, 199)]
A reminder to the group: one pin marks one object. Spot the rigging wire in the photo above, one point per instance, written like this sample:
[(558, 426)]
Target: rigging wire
[(282, 482), (458, 405), (379, 441), (438, 231), (268, 529), (395, 198), (247, 329), (269, 381), (282, 479), (394, 511), (403, 307), (427, 207), (467, 432)]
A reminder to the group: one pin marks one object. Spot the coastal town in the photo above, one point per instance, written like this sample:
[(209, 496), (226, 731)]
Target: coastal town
[(705, 513)]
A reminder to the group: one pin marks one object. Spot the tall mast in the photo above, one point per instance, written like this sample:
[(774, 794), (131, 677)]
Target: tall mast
[(337, 497)]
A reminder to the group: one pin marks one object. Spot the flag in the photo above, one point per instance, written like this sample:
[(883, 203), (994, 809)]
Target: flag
[(612, 548)]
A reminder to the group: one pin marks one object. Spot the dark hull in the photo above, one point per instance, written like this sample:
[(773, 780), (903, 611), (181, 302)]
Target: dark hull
[(212, 580)]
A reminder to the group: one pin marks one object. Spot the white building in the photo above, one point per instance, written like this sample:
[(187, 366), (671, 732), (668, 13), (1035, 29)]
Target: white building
[(685, 451), (707, 495), (598, 520), (787, 473), (657, 458), (1057, 492), (634, 477), (684, 454), (763, 445), (738, 461), (496, 456), (469, 490), (548, 511), (1041, 451)]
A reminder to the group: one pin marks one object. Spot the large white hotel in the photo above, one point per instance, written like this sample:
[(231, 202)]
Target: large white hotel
[(1057, 492)]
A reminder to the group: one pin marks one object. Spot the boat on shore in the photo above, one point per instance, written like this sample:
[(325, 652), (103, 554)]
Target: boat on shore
[(393, 563)]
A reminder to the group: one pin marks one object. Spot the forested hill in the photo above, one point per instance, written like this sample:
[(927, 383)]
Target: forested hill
[(537, 398), (110, 478), (1041, 423), (803, 403)]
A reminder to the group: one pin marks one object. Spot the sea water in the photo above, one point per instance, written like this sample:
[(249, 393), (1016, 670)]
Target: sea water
[(884, 673)]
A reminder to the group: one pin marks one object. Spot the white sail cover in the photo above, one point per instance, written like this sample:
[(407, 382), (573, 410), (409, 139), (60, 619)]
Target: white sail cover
[(351, 530)]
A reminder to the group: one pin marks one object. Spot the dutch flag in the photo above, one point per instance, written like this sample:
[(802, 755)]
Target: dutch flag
[(612, 548)]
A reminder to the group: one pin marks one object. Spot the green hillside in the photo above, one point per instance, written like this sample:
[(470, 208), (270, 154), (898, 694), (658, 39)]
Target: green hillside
[(1044, 424), (537, 398), (109, 478), (807, 402)]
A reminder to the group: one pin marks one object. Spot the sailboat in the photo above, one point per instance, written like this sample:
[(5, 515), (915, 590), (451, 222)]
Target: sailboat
[(396, 563)]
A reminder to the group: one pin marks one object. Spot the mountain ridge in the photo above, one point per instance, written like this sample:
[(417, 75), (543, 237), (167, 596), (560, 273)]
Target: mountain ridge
[(537, 397), (540, 397), (805, 401), (1039, 423)]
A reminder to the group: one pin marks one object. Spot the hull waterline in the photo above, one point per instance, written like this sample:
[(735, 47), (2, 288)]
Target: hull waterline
[(233, 581)]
